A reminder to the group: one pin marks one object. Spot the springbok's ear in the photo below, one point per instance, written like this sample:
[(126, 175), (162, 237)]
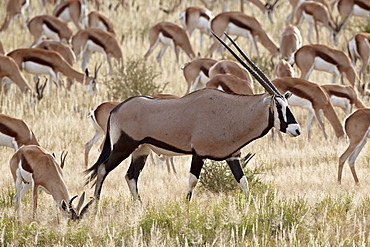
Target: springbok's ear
[(64, 206), (287, 95), (87, 72), (267, 101)]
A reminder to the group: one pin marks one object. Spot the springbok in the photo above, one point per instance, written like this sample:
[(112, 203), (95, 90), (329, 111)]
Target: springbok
[(40, 61), (91, 40), (169, 34), (15, 132), (315, 13), (357, 127), (71, 10), (11, 73), (349, 8), (325, 58), (283, 69), (51, 27), (98, 20), (290, 42), (230, 84), (14, 8), (359, 48), (33, 167), (99, 118), (197, 71), (313, 98), (205, 124), (237, 23)]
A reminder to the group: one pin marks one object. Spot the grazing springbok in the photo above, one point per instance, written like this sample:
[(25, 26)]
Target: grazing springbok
[(349, 8), (15, 133), (325, 58), (197, 17), (90, 40), (230, 84), (357, 127), (71, 10), (344, 97), (169, 34), (359, 48), (237, 23), (316, 13), (197, 71), (50, 26), (40, 61), (14, 8), (99, 118), (313, 98), (99, 20), (290, 42), (34, 167), (11, 73), (283, 69), (205, 124)]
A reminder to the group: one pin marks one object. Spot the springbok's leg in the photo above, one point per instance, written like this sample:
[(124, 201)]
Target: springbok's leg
[(236, 169), (137, 164), (161, 52), (195, 168), (353, 156), (89, 144), (85, 59)]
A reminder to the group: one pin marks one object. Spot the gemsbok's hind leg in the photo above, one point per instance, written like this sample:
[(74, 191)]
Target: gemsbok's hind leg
[(138, 160), (195, 168), (236, 169)]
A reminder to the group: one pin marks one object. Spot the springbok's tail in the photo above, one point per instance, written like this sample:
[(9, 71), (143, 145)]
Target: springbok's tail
[(104, 155)]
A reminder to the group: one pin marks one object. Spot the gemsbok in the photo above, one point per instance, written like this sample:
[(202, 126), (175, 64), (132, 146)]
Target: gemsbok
[(169, 34), (32, 167), (90, 40), (357, 127), (50, 26), (39, 61), (313, 98), (197, 71), (15, 132), (71, 10), (205, 124), (11, 73), (344, 97), (359, 48), (325, 58), (197, 17), (237, 23)]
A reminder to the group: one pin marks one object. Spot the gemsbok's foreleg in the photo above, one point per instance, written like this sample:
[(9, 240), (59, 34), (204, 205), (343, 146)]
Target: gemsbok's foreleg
[(236, 169), (195, 169)]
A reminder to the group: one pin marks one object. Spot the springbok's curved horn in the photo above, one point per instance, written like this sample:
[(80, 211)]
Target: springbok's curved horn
[(250, 70), (255, 68), (81, 202), (83, 211), (72, 210)]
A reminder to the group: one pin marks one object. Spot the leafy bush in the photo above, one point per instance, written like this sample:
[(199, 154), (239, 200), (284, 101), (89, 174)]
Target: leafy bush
[(136, 79)]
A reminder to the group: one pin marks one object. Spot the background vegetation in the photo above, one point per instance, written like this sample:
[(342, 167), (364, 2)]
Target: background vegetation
[(294, 199)]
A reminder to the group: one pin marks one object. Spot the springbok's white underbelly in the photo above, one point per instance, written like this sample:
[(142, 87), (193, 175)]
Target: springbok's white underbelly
[(322, 65), (65, 16), (91, 46), (200, 81), (340, 102), (26, 176), (50, 33), (357, 11), (36, 68), (294, 100), (165, 40), (7, 141), (232, 29), (309, 18), (204, 25)]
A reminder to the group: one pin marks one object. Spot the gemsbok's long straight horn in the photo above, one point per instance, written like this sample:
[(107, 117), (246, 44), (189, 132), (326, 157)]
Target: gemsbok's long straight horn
[(255, 72)]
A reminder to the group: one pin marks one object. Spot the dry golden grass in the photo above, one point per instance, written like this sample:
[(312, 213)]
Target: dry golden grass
[(297, 169)]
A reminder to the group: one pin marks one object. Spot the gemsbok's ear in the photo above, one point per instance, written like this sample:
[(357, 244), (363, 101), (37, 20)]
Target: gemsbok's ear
[(287, 95), (267, 101)]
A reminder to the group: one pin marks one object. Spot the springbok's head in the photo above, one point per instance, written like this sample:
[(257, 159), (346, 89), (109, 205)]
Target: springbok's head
[(90, 82), (284, 119), (76, 213), (269, 7)]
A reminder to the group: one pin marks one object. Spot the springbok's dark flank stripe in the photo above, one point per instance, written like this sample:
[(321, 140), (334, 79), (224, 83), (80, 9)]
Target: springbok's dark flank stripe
[(165, 34), (239, 24), (225, 87), (205, 16), (6, 131), (204, 70), (60, 11), (302, 94), (50, 26), (104, 22), (362, 5), (25, 165), (326, 57), (96, 41), (38, 60), (338, 94)]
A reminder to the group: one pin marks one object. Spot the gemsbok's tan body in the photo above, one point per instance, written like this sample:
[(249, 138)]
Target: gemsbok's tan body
[(207, 123), (357, 127)]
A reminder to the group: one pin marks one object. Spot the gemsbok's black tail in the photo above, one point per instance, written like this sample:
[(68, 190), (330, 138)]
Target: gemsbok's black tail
[(104, 155)]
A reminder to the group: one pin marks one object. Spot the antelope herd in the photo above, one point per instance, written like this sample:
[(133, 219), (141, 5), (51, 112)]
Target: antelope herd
[(223, 108)]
